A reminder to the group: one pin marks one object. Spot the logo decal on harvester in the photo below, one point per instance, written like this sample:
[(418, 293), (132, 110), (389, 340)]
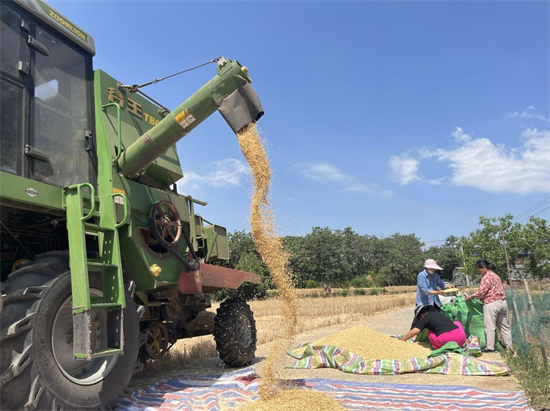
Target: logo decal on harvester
[(31, 192)]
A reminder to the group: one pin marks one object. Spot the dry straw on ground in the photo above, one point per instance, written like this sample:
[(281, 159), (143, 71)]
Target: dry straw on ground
[(270, 247), (365, 342), (313, 314)]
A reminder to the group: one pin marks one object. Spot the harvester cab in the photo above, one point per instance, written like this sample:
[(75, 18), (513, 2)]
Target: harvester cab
[(103, 263)]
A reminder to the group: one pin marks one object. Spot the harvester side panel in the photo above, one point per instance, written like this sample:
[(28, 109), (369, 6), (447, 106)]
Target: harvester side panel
[(139, 249), (138, 115)]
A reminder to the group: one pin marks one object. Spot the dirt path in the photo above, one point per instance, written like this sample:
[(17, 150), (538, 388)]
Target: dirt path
[(395, 322)]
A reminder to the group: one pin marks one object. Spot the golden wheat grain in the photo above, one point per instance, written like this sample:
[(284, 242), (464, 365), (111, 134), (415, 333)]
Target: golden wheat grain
[(368, 343), (295, 400), (270, 247)]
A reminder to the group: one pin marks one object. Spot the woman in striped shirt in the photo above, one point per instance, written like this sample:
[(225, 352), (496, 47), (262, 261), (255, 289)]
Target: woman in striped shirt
[(495, 308)]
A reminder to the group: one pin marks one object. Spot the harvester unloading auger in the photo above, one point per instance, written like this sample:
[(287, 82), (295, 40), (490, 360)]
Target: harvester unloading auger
[(103, 263)]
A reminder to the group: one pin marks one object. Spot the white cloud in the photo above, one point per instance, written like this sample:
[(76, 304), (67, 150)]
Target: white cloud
[(528, 114), (326, 172), (220, 174), (368, 188), (404, 169), (460, 136), (321, 172), (490, 167)]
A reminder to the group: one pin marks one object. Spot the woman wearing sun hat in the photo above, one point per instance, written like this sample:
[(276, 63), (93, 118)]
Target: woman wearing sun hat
[(429, 286)]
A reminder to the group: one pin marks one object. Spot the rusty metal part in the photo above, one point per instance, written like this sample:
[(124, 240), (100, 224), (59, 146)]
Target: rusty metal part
[(212, 278)]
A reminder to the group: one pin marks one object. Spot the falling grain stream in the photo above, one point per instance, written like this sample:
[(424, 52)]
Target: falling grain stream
[(270, 247)]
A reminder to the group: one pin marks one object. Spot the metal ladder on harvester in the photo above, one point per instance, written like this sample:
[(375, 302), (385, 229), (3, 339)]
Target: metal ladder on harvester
[(83, 208)]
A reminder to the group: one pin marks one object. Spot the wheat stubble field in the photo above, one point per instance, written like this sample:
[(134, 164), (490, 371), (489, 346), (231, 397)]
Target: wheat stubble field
[(313, 314)]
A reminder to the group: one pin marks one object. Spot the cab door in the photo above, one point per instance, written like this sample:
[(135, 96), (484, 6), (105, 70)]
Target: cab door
[(14, 89), (60, 149), (46, 125)]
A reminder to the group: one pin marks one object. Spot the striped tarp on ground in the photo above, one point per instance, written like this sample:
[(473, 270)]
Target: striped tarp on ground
[(328, 356), (229, 391)]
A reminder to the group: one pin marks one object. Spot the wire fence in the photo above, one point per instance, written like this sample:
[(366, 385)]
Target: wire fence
[(530, 317)]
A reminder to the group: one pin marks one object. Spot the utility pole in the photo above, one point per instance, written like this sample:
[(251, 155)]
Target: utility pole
[(464, 267), (527, 290), (505, 253)]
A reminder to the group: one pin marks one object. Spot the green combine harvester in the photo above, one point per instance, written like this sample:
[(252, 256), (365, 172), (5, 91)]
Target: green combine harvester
[(103, 263)]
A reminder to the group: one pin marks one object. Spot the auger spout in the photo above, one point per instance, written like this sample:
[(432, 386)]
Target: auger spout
[(229, 92)]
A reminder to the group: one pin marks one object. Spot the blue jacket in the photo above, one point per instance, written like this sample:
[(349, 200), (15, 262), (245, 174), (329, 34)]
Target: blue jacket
[(426, 282)]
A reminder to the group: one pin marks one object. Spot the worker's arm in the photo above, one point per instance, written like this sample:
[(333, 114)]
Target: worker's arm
[(423, 286), (482, 292), (412, 333), (441, 284)]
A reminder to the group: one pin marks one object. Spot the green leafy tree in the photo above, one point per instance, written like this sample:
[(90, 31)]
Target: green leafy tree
[(250, 262), (527, 244), (406, 258), (240, 242)]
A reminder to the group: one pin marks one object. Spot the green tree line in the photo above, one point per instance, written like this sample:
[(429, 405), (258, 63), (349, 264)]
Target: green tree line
[(528, 246), (345, 258)]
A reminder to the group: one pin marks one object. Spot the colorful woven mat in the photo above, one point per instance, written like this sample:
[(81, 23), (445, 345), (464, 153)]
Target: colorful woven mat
[(312, 356), (227, 392)]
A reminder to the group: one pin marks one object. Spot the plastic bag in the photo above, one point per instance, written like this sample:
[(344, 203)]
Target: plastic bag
[(470, 315)]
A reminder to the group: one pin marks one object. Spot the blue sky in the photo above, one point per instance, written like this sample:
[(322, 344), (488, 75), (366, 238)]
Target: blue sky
[(411, 117)]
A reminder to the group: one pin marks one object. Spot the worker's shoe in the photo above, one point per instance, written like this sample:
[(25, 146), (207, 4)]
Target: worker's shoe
[(487, 350)]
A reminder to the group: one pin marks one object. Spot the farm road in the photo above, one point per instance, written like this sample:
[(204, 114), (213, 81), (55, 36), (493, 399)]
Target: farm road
[(394, 322)]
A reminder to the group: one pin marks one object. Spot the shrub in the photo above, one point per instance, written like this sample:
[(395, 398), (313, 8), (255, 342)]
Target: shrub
[(534, 375), (345, 293), (359, 291), (362, 281), (247, 291), (314, 295), (273, 294), (312, 284)]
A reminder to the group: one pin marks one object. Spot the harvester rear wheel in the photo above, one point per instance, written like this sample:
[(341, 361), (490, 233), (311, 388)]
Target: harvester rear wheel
[(235, 333), (36, 366)]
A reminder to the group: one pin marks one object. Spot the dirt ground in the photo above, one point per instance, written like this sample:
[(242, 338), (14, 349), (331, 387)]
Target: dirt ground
[(395, 322)]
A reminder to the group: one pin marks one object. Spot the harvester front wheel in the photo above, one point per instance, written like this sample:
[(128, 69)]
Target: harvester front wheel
[(36, 365), (235, 333)]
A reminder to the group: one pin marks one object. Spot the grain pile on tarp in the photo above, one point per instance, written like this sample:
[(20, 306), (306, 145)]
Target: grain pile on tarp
[(321, 355), (295, 400), (368, 343)]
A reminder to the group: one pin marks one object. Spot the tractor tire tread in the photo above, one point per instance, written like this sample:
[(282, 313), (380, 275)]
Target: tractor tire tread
[(23, 291), (229, 348)]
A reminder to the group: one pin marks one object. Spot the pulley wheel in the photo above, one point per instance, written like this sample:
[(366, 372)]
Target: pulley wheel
[(165, 223), (157, 341)]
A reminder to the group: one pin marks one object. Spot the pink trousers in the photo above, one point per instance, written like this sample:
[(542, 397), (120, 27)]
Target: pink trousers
[(458, 335)]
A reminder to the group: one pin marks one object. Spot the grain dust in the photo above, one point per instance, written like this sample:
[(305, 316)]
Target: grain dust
[(365, 342), (270, 247)]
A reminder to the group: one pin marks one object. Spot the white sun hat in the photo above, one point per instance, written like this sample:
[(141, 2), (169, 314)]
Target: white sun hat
[(429, 263)]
